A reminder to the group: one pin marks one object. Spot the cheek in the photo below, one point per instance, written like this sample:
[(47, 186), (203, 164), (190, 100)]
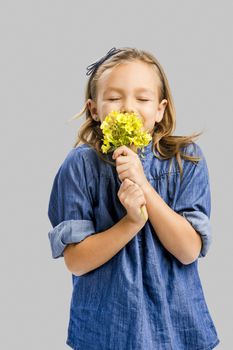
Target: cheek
[(102, 109), (148, 107), (106, 108), (148, 115)]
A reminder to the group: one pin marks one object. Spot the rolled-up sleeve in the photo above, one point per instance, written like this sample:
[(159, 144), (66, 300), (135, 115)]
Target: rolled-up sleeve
[(194, 197), (70, 209)]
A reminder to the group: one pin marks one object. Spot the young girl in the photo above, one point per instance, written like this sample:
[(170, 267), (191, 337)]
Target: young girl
[(136, 284)]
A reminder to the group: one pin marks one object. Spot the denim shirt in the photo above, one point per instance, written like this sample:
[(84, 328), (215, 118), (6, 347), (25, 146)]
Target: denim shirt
[(143, 298)]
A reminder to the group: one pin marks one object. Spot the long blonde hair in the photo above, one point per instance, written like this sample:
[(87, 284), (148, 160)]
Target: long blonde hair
[(166, 144)]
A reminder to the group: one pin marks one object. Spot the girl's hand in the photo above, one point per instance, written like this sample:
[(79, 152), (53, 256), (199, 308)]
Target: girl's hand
[(132, 198), (128, 165)]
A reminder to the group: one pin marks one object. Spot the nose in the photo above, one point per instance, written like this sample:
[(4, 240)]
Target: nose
[(126, 110), (127, 107)]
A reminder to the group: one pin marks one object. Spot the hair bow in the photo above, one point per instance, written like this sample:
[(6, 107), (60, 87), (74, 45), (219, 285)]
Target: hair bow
[(92, 67)]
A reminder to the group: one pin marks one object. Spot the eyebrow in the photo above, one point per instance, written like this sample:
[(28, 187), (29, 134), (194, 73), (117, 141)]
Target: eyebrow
[(112, 88)]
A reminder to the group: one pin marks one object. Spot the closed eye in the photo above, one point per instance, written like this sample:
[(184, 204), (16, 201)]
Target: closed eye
[(115, 99)]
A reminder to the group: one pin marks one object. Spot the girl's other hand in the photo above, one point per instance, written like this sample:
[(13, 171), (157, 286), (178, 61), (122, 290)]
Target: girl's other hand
[(132, 198)]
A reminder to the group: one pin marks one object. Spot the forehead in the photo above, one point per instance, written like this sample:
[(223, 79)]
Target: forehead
[(135, 75)]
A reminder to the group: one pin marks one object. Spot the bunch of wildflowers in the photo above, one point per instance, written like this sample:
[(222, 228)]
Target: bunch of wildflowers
[(123, 129)]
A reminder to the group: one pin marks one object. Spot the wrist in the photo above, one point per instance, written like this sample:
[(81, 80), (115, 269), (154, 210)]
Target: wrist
[(146, 188), (135, 225)]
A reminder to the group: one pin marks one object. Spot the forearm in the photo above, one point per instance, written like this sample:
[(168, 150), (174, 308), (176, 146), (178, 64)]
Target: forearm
[(96, 249), (173, 230)]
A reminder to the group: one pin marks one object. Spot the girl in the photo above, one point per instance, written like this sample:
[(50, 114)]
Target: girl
[(136, 284)]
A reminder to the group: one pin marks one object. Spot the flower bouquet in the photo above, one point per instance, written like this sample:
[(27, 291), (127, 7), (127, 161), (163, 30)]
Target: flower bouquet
[(124, 129)]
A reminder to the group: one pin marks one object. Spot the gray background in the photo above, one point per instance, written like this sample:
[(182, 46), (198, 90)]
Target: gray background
[(45, 48)]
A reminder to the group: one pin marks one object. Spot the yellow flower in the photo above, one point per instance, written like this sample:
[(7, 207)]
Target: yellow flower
[(123, 129)]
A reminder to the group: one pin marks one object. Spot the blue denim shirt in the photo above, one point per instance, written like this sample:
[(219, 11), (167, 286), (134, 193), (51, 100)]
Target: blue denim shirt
[(143, 298)]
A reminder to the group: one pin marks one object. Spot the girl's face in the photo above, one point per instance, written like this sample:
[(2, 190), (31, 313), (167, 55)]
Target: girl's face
[(129, 87)]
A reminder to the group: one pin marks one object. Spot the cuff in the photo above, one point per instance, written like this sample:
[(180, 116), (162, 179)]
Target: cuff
[(69, 231), (201, 224)]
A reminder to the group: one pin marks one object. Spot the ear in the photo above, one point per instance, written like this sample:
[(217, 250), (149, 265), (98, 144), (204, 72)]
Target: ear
[(91, 105), (161, 110)]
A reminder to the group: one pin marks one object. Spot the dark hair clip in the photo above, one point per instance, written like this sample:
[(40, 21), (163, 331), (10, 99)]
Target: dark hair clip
[(93, 67)]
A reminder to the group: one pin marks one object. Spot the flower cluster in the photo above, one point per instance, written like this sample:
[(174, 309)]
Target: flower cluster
[(123, 129)]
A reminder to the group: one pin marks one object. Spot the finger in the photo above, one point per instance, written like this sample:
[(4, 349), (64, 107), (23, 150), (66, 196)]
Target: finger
[(122, 150), (131, 191), (125, 184), (121, 168), (140, 200), (122, 160)]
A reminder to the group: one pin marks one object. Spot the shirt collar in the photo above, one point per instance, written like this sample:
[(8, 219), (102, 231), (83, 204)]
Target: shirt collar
[(146, 150)]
